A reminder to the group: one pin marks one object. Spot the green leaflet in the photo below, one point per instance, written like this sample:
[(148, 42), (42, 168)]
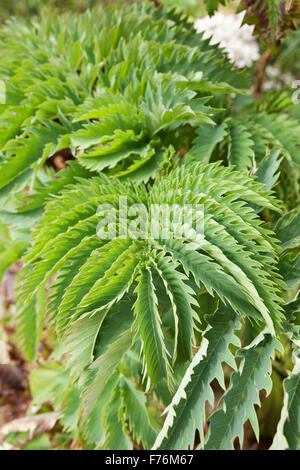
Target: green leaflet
[(267, 172), (44, 190), (180, 295), (105, 366), (212, 5), (287, 229), (10, 251), (48, 382), (116, 437), (291, 325), (94, 269), (128, 101), (134, 404), (94, 274), (92, 424), (240, 147), (239, 401), (113, 285), (289, 266), (207, 138), (70, 408), (31, 324), (52, 383), (80, 341), (292, 424), (186, 413), (119, 319), (88, 338), (12, 120), (34, 146), (25, 156), (69, 270), (148, 325), (288, 429)]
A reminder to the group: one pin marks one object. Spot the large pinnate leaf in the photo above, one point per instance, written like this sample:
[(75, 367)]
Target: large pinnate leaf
[(116, 436)]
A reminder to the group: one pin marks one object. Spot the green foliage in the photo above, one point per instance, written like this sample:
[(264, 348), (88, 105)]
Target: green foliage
[(27, 8), (115, 102), (134, 104), (12, 247)]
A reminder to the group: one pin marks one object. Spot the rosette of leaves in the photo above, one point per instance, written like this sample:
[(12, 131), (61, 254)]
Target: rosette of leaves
[(144, 288)]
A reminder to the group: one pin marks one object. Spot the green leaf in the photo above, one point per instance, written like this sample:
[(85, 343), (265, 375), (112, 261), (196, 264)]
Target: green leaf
[(292, 425), (206, 141), (134, 404), (80, 341), (92, 423), (287, 229), (105, 366), (212, 5), (116, 437), (289, 267), (239, 401), (10, 252)]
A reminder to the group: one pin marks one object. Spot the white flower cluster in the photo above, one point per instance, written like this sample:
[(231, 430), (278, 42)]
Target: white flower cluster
[(237, 40)]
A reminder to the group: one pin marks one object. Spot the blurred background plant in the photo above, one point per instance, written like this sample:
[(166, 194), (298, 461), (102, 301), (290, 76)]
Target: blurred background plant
[(27, 8)]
